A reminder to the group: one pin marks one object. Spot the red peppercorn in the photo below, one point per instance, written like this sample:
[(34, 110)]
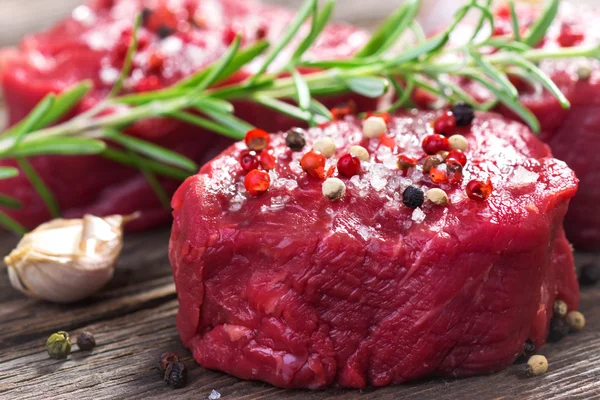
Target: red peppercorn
[(313, 164), (454, 171), (155, 62), (445, 124), (257, 182), (386, 116), (405, 162), (387, 141), (267, 160), (435, 143), (438, 174), (248, 160), (257, 139), (458, 156), (341, 112), (569, 36), (229, 35), (348, 165), (479, 191)]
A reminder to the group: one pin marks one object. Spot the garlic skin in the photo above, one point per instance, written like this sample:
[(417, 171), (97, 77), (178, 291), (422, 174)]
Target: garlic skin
[(66, 260)]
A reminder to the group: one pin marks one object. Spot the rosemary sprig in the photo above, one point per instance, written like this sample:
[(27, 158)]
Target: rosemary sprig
[(428, 64)]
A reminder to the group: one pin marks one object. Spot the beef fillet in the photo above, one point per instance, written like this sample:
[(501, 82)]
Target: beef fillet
[(177, 38), (303, 292)]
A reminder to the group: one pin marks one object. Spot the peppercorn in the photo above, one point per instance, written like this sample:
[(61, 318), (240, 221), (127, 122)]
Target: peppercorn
[(334, 189), (445, 124), (479, 191), (463, 113), (164, 360), (437, 196), (560, 308), (374, 127), (529, 349), (435, 143), (164, 31), (431, 162), (146, 13), (257, 182), (405, 162), (257, 139), (325, 146), (58, 345), (295, 139), (575, 320), (176, 375), (537, 365), (248, 160), (413, 197), (590, 274), (360, 152), (558, 329), (348, 165), (86, 341)]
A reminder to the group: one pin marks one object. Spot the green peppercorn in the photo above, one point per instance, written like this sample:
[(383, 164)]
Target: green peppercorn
[(58, 345), (176, 375), (86, 341)]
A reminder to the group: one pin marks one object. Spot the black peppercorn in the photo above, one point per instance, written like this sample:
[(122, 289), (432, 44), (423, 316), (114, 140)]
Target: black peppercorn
[(86, 341), (590, 274), (413, 197), (558, 329), (463, 113), (164, 31), (164, 360), (295, 139), (176, 375), (146, 13)]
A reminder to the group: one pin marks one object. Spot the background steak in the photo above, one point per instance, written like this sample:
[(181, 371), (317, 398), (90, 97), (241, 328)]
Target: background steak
[(91, 44), (298, 291)]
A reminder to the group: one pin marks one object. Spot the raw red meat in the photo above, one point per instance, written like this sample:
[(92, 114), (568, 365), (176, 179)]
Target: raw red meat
[(91, 44), (299, 291), (573, 135)]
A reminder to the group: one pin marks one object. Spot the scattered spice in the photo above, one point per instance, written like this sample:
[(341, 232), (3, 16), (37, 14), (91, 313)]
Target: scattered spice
[(479, 191), (325, 146), (164, 31), (58, 345), (360, 152), (341, 112), (257, 139), (575, 320), (463, 113), (257, 182), (560, 308), (295, 139), (569, 36), (438, 196), (529, 349), (374, 127), (431, 162), (313, 164), (435, 143), (405, 162), (438, 174), (334, 189), (86, 341), (445, 124), (176, 375), (537, 365), (267, 160), (348, 166), (413, 197), (458, 156), (248, 160), (558, 329), (214, 395), (590, 274), (454, 171), (164, 360), (458, 142), (584, 71)]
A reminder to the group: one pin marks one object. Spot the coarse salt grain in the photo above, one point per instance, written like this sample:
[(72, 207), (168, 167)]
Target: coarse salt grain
[(214, 395), (418, 215)]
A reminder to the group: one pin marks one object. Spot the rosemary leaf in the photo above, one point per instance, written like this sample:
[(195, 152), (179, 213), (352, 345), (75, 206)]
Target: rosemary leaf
[(368, 86), (428, 46), (302, 91), (350, 63), (152, 150), (124, 158), (8, 172), (320, 20), (507, 44), (305, 11), (40, 187), (288, 109), (57, 146), (418, 31), (63, 103), (19, 131), (481, 21), (485, 15), (128, 63), (12, 225), (411, 8), (403, 94), (318, 108), (494, 74), (239, 127), (541, 25), (215, 71), (206, 124), (10, 202), (216, 104), (514, 20)]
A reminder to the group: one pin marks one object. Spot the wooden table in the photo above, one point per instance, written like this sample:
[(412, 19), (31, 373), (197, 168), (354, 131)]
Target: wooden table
[(133, 320)]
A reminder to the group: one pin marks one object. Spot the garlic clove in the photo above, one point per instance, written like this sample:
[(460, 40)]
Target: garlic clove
[(64, 261)]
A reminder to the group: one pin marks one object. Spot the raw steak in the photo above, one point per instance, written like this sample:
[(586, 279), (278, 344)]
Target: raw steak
[(573, 135), (302, 292), (175, 41)]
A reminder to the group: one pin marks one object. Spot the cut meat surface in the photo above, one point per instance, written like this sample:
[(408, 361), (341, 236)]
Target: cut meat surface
[(573, 134), (302, 292), (178, 38)]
